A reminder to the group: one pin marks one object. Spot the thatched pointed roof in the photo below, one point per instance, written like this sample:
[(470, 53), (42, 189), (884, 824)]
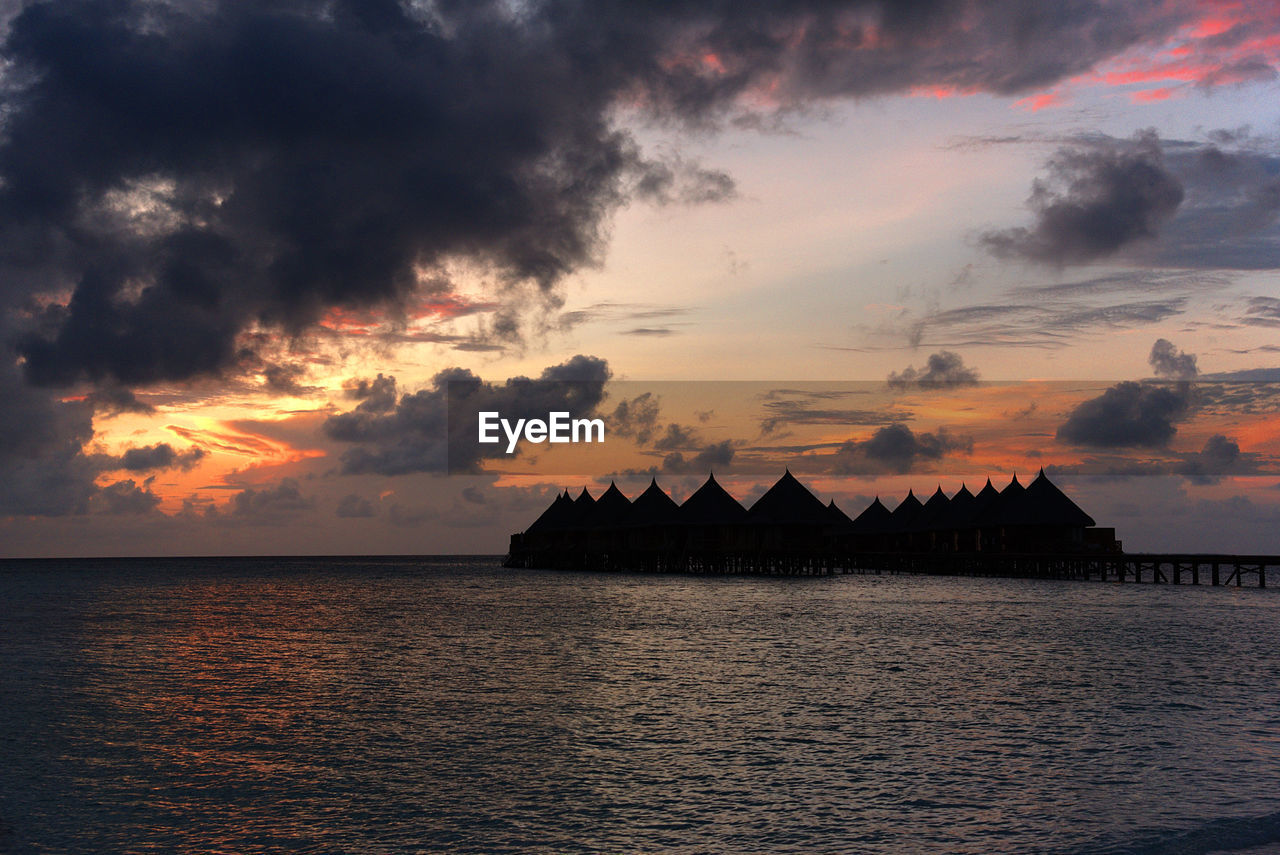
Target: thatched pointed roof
[(931, 511), (960, 510), (611, 508), (874, 519), (837, 516), (1006, 508), (905, 513), (1045, 504), (652, 507), (981, 501), (710, 504), (788, 502), (555, 516), (579, 512)]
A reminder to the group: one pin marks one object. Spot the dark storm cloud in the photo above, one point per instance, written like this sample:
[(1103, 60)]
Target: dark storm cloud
[(1097, 200), (1127, 414), (125, 497), (1171, 203), (192, 171), (160, 456), (896, 449), (435, 429), (376, 396), (42, 469), (286, 380), (112, 400), (943, 370)]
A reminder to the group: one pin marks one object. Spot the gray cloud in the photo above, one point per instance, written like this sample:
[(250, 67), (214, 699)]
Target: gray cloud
[(636, 417), (1262, 312), (1097, 200), (269, 504), (193, 171), (943, 370), (678, 181), (1219, 456), (676, 436), (1127, 414), (715, 457), (896, 449), (1168, 203), (434, 429), (43, 471), (352, 506), (812, 407), (1043, 323), (160, 456), (125, 497), (1171, 363)]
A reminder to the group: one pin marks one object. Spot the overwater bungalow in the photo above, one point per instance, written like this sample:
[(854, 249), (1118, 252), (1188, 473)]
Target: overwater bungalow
[(790, 527)]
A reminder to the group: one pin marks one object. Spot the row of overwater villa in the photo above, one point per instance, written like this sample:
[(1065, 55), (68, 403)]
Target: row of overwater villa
[(789, 530)]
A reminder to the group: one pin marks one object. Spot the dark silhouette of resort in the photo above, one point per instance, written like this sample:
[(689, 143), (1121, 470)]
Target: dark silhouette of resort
[(1034, 531), (789, 530)]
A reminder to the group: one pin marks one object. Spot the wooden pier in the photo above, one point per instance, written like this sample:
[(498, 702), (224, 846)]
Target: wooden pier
[(1032, 532), (1152, 568), (1155, 568)]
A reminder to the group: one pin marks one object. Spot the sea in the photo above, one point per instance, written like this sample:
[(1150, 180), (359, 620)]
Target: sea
[(386, 705)]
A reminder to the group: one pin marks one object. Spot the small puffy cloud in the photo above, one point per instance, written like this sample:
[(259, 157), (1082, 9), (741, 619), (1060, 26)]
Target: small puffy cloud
[(717, 456), (897, 449), (943, 370), (269, 503), (1127, 414), (160, 456), (1172, 363), (636, 417), (677, 437), (1219, 456)]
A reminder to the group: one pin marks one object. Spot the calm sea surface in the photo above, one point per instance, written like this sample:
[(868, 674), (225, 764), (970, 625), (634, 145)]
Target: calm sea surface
[(369, 705)]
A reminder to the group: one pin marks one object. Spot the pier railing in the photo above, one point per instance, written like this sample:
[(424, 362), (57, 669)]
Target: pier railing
[(1157, 568)]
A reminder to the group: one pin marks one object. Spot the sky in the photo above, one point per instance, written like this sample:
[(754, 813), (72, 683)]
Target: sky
[(257, 261)]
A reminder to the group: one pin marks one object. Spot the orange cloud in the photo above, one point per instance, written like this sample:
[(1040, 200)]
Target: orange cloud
[(259, 448), (1148, 96), (1036, 103)]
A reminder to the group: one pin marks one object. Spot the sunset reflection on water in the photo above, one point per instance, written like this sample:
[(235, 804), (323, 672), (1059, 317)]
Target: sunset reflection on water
[(346, 705)]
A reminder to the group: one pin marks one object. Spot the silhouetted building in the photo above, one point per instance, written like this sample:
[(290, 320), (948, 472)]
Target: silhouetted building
[(788, 524)]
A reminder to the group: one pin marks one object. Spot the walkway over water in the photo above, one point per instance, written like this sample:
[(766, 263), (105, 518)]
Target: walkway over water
[(1157, 568)]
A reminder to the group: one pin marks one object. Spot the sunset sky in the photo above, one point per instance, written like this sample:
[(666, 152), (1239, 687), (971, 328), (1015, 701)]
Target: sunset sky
[(245, 247)]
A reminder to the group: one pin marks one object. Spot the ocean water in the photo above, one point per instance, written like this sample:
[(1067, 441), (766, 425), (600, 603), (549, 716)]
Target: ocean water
[(448, 705)]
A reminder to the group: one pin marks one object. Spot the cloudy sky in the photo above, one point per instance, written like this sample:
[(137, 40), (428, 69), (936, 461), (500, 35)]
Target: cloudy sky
[(250, 252)]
